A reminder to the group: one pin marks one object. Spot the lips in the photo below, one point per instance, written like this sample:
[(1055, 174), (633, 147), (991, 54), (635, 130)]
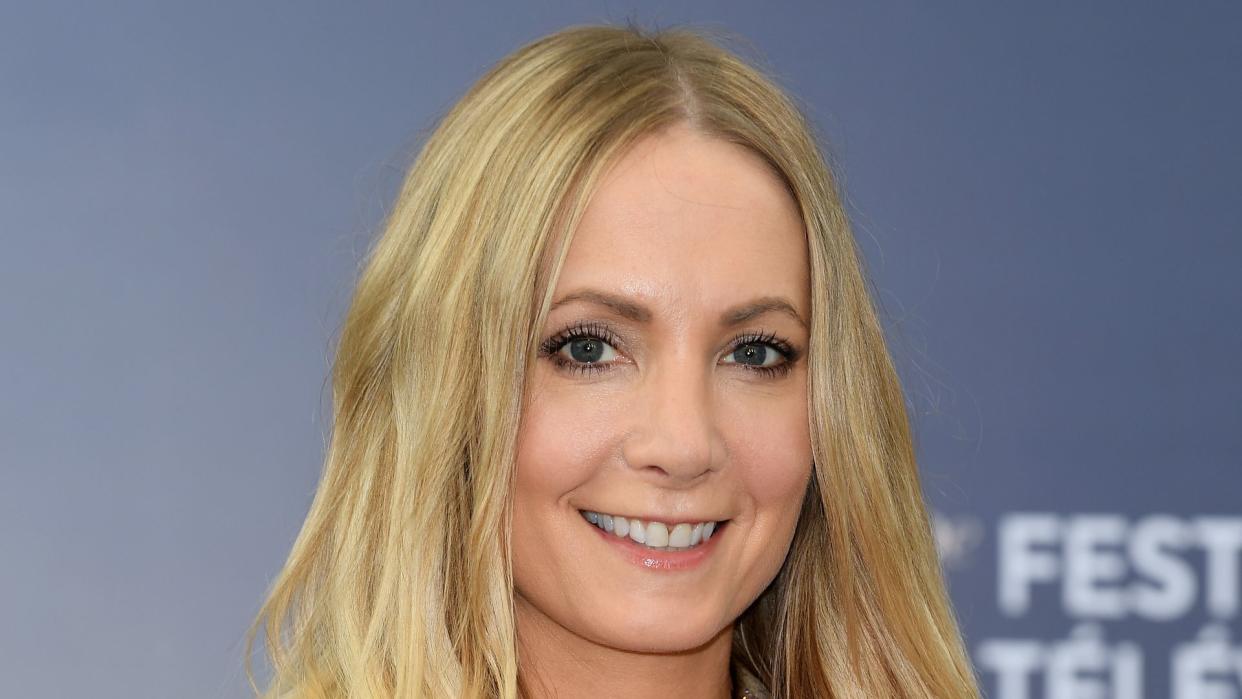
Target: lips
[(659, 558)]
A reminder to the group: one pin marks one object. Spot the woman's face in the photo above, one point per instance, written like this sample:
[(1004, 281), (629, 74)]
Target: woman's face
[(670, 392)]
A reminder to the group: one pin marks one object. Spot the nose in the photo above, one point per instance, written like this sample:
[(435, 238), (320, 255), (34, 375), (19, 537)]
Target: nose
[(674, 437)]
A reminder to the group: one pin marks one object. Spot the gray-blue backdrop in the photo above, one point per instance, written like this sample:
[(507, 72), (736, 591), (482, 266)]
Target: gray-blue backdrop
[(1047, 197)]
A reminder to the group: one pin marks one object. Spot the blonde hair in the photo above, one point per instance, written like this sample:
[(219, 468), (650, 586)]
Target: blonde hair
[(399, 583)]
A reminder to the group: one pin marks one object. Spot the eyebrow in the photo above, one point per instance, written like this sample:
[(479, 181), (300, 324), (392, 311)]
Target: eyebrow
[(638, 313)]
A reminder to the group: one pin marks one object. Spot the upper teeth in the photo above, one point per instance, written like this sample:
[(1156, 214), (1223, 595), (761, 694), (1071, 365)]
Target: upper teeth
[(656, 535)]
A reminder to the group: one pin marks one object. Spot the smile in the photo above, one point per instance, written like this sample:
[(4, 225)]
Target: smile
[(657, 536)]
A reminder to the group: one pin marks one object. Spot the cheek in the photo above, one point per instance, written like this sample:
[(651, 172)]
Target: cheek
[(563, 437), (771, 446), (565, 434), (771, 450)]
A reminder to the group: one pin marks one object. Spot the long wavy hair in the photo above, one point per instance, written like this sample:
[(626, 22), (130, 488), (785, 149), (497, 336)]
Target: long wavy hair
[(399, 583)]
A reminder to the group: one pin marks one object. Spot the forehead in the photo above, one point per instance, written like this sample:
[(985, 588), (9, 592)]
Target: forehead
[(687, 218)]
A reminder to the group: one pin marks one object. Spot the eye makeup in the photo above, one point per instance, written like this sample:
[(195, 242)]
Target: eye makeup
[(597, 332)]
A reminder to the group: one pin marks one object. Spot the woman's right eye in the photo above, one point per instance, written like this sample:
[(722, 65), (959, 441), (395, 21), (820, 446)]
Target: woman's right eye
[(588, 350), (583, 355), (581, 350)]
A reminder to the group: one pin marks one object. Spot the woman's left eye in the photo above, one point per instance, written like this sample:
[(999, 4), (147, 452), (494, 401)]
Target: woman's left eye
[(765, 356), (756, 354)]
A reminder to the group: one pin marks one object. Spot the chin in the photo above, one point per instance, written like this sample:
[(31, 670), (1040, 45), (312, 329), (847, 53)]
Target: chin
[(657, 628)]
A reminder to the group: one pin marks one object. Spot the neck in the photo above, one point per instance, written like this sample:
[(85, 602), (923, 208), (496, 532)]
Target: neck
[(555, 662)]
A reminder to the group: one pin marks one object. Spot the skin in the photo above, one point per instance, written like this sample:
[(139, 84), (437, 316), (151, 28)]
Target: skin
[(677, 423)]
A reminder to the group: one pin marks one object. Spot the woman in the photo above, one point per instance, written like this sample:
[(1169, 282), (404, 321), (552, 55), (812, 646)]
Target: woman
[(613, 412)]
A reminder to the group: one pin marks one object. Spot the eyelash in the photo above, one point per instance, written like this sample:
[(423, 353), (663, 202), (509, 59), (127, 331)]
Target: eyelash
[(551, 348)]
